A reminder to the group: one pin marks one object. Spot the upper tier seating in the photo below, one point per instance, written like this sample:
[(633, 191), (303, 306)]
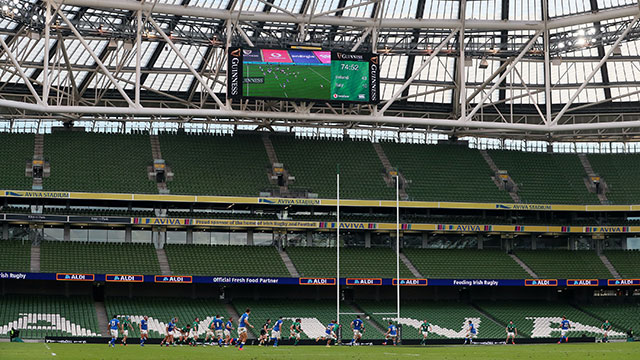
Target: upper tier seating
[(99, 258), (445, 173), (96, 162), (354, 262), (161, 310), (16, 150), (626, 262), (216, 165), (523, 313), (225, 260), (448, 319), (39, 316), (315, 316), (478, 264), (546, 178), (621, 172), (314, 164), (564, 264), (15, 255)]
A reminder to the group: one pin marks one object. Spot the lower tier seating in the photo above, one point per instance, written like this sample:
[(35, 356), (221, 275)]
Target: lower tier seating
[(39, 316), (621, 316), (161, 310), (225, 260), (15, 255), (99, 258), (354, 262), (477, 264), (626, 262), (580, 264)]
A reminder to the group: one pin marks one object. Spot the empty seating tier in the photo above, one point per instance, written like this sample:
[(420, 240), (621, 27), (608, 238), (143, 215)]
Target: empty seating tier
[(626, 262), (161, 310), (15, 255), (622, 175), (216, 165), (225, 260), (40, 316), (445, 173), (354, 262), (621, 316), (580, 264), (94, 162), (479, 264), (99, 258), (546, 178), (314, 164), (16, 150)]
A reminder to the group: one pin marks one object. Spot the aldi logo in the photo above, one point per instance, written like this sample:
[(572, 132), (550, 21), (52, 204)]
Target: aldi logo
[(364, 281), (173, 279), (411, 282), (541, 282), (124, 278), (623, 282), (582, 282), (317, 281), (75, 277)]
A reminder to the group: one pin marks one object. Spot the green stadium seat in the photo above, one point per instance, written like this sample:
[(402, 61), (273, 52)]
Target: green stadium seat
[(626, 262), (15, 255), (16, 150), (565, 264)]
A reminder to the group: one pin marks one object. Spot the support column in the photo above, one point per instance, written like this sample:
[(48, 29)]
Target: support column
[(189, 235), (367, 239), (127, 234), (67, 232), (480, 242), (309, 238), (249, 237), (534, 243), (425, 240), (5, 231)]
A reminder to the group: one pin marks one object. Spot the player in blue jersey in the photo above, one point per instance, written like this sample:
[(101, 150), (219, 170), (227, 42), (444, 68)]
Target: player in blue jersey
[(275, 331), (357, 325), (228, 328), (564, 327), (392, 333), (170, 328), (114, 326), (472, 332), (329, 333), (243, 323), (218, 327), (144, 330)]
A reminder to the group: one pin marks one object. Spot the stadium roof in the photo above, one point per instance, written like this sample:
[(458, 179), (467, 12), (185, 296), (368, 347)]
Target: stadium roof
[(583, 55)]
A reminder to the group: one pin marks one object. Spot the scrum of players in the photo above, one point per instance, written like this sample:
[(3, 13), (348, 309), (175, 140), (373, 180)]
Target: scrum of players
[(219, 332)]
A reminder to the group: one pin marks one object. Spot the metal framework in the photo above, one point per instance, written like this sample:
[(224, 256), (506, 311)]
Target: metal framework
[(447, 66)]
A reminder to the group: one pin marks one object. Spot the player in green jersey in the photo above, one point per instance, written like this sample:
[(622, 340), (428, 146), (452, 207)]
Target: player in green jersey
[(512, 332), (606, 327), (194, 331), (425, 328), (208, 338), (126, 325), (294, 331)]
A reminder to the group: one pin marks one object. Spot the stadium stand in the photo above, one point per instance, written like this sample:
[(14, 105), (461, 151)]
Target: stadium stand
[(542, 318), (39, 316), (221, 260), (99, 258), (621, 316), (16, 150), (96, 162), (565, 264), (15, 255), (621, 174), (315, 316), (448, 319), (314, 164), (216, 165), (545, 178), (355, 262), (445, 173), (478, 264), (161, 310), (626, 262)]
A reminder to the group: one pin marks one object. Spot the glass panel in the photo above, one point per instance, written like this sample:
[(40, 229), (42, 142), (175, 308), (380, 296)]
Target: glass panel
[(141, 236), (79, 235), (219, 238), (238, 238), (202, 237), (176, 237), (56, 234), (262, 239), (116, 235)]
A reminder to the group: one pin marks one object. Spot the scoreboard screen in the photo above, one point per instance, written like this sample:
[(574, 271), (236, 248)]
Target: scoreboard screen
[(300, 74)]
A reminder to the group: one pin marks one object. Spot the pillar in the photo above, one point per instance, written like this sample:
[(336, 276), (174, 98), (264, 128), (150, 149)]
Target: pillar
[(249, 237), (189, 235), (5, 231), (534, 244), (67, 232), (309, 238), (127, 234), (480, 241), (425, 240), (367, 239)]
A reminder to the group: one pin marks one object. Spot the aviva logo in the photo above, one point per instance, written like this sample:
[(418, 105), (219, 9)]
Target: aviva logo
[(37, 194), (467, 228)]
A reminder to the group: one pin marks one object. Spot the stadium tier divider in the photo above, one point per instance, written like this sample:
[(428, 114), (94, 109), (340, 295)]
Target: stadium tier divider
[(354, 262), (565, 264), (161, 310), (444, 172), (97, 162), (465, 263), (222, 260), (15, 255), (37, 316), (98, 258), (16, 150), (626, 262), (216, 165)]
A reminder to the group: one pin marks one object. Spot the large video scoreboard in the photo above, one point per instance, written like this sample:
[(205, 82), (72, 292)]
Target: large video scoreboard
[(303, 74)]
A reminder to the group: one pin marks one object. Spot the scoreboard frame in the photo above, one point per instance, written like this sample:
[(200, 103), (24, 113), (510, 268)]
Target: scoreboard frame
[(235, 79)]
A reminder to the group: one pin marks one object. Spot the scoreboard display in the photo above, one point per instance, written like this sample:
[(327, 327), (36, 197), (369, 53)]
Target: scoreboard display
[(300, 74)]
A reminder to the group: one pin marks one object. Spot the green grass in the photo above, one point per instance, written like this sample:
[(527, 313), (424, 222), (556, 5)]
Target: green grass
[(296, 88), (618, 351)]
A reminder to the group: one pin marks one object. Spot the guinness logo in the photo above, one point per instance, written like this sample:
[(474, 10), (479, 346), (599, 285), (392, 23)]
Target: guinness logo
[(374, 60), (235, 53)]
